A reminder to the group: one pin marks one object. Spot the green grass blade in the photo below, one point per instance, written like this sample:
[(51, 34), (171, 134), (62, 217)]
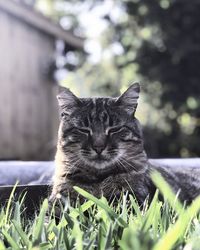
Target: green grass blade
[(10, 240), (45, 246), (65, 239), (167, 192), (78, 235), (84, 207), (17, 212), (2, 246), (109, 236), (178, 229), (100, 237), (98, 202), (150, 214), (8, 207), (21, 233), (37, 234), (136, 207)]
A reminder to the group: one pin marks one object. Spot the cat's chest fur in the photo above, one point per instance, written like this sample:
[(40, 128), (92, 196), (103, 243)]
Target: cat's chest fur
[(110, 186), (185, 181)]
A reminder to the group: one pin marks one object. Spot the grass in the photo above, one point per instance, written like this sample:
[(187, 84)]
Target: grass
[(99, 225)]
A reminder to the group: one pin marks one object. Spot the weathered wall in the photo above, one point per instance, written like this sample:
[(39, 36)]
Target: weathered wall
[(28, 107)]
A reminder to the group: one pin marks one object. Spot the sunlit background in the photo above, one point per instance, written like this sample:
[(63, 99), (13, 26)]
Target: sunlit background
[(99, 48)]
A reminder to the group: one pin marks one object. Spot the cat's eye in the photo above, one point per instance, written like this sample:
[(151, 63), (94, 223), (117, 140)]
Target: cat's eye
[(112, 130), (86, 131), (73, 138), (77, 134), (123, 133)]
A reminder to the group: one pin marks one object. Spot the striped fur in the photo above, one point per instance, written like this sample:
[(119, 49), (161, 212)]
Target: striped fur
[(100, 148)]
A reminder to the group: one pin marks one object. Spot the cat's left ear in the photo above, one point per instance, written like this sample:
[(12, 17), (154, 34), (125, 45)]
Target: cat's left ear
[(129, 99)]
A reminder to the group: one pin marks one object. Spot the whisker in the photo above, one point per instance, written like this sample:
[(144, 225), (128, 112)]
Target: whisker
[(130, 165), (122, 165), (114, 150), (84, 150), (71, 158), (85, 153)]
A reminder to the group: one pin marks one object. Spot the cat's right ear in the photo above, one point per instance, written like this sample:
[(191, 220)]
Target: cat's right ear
[(67, 101)]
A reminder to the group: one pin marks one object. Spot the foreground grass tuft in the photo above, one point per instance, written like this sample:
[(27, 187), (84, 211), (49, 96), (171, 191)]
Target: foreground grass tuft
[(98, 225)]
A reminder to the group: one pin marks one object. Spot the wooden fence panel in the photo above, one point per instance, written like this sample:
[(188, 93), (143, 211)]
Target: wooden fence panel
[(28, 106)]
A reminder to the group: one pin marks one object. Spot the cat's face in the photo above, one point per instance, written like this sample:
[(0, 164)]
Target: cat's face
[(100, 132)]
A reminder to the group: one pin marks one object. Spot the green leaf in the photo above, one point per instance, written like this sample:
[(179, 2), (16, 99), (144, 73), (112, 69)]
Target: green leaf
[(176, 231), (45, 246), (150, 215), (98, 202), (78, 235), (10, 240), (37, 233), (8, 207), (84, 207), (109, 236), (135, 207), (21, 233), (2, 246), (167, 192)]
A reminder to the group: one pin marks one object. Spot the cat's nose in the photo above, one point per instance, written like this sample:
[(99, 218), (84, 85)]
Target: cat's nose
[(98, 149), (98, 143)]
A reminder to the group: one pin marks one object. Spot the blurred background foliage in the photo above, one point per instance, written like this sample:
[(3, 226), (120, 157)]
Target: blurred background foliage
[(155, 42)]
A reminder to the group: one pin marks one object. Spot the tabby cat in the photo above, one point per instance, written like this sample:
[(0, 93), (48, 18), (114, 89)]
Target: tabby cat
[(100, 149)]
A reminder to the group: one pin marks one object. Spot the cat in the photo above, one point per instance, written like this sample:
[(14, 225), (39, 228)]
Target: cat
[(100, 149)]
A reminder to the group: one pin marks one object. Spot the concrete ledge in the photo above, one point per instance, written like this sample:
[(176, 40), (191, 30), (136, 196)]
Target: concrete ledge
[(41, 172), (172, 162), (26, 172)]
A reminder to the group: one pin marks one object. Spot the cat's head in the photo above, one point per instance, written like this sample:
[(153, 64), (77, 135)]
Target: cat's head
[(100, 132)]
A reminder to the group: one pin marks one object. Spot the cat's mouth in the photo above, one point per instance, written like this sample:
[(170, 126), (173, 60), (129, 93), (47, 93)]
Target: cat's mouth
[(99, 161), (100, 158)]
